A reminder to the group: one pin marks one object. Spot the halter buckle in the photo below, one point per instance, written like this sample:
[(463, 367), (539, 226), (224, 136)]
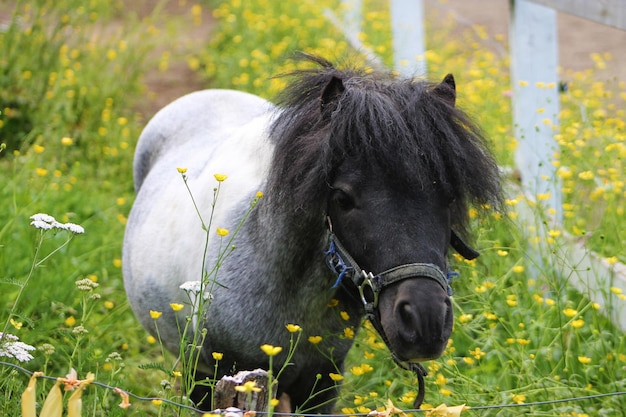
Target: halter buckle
[(367, 280)]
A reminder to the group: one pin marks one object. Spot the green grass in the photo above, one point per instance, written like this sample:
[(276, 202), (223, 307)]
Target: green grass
[(518, 337), (66, 97)]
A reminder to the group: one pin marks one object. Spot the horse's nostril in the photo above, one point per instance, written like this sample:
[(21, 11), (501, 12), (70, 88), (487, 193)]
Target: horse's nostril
[(408, 322), (406, 313), (423, 320)]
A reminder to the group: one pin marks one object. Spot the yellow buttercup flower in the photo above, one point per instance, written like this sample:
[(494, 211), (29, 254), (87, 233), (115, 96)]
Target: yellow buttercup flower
[(464, 318), (586, 175), (222, 232), (315, 339), (217, 356), (155, 314), (220, 177), (518, 398), (248, 387), (477, 353), (518, 269), (441, 380), (293, 328), (445, 392), (177, 306), (361, 369), (181, 170), (270, 350), (335, 377), (511, 300), (577, 324)]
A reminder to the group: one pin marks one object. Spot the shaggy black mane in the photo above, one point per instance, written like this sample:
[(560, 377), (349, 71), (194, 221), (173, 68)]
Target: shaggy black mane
[(404, 126)]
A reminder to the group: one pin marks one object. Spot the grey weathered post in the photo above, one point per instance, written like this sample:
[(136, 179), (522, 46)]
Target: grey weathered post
[(353, 16), (534, 60), (407, 27)]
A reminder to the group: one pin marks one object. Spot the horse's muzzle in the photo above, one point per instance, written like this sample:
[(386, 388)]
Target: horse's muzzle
[(409, 305), (416, 316)]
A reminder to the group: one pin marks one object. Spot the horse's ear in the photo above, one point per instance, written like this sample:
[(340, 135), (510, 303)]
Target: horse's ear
[(447, 89), (331, 93)]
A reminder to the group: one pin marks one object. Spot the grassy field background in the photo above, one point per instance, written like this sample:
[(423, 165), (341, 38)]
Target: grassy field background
[(73, 101)]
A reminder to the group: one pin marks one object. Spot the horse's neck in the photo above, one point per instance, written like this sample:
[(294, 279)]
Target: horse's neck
[(291, 243)]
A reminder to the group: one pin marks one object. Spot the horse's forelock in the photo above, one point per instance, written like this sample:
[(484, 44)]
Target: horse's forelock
[(399, 126)]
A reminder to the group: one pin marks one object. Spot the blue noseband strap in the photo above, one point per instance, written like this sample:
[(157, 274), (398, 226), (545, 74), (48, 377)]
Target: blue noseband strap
[(343, 264), (336, 263)]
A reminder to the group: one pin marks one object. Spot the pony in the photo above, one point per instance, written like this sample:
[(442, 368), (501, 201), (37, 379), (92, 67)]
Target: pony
[(367, 180)]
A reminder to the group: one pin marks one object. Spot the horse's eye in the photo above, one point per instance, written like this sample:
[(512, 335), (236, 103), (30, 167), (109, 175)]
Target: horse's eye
[(343, 200)]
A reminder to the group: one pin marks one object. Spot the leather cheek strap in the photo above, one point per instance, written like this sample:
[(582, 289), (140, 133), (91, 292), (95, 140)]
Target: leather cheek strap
[(461, 247)]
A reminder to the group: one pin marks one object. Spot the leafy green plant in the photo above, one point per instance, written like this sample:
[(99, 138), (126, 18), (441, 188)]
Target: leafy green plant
[(192, 332)]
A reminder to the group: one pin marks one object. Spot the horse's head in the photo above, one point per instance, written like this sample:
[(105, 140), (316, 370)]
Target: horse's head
[(400, 235), (398, 166)]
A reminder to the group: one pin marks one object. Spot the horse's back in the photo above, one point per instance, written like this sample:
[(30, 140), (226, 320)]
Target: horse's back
[(200, 116), (207, 132)]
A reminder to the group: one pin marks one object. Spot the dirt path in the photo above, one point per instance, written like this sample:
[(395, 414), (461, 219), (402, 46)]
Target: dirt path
[(181, 33)]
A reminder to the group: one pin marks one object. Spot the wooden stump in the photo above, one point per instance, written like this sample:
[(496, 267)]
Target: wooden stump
[(227, 396)]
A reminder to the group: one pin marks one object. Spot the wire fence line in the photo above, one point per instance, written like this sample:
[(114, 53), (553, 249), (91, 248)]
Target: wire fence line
[(374, 413)]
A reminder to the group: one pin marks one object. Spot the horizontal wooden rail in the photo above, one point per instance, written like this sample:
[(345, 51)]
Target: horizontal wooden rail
[(607, 12)]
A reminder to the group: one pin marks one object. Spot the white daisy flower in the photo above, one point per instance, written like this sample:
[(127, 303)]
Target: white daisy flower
[(74, 228), (11, 347), (192, 287), (47, 222)]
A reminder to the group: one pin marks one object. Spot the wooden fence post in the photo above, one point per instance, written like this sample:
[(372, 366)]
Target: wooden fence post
[(407, 27), (534, 60), (227, 396)]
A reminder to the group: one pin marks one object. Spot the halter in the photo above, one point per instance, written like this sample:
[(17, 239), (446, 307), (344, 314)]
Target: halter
[(370, 286)]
